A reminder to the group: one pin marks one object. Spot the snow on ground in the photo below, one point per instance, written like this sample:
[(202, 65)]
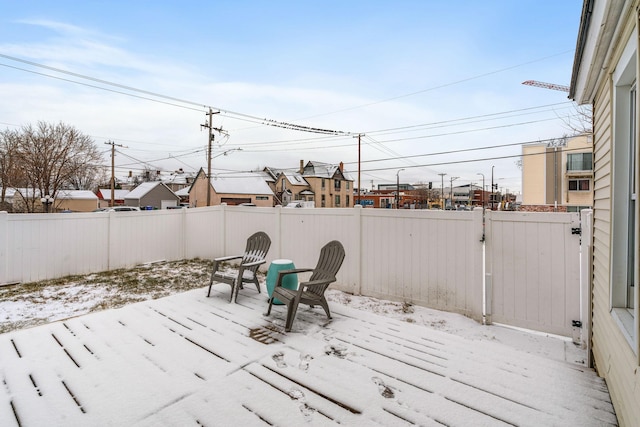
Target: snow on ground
[(29, 305), (193, 359)]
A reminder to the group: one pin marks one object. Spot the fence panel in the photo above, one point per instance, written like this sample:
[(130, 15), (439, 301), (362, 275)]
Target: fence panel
[(147, 236), (430, 258), (204, 232), (46, 246), (305, 231), (533, 260)]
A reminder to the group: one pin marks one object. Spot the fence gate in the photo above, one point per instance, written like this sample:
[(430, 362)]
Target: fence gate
[(533, 270)]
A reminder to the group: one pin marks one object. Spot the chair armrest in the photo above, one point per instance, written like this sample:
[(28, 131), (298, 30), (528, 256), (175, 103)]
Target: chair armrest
[(283, 273), (254, 263), (317, 283), (227, 258)]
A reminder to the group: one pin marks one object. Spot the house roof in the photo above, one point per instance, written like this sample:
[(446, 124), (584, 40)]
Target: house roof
[(324, 170), (76, 195), (295, 178), (182, 192), (117, 194), (141, 190), (241, 185)]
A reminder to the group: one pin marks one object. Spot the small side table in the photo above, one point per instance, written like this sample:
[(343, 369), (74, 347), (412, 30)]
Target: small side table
[(290, 281)]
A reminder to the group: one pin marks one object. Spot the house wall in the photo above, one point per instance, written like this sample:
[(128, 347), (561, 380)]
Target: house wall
[(614, 357), (76, 205), (580, 144), (533, 176), (346, 194), (295, 189), (198, 193), (153, 198)]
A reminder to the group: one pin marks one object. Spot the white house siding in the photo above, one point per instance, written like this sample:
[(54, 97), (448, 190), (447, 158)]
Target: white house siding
[(614, 358)]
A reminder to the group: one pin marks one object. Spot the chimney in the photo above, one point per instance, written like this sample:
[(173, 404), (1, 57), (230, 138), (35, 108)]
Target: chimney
[(301, 166), (341, 167)]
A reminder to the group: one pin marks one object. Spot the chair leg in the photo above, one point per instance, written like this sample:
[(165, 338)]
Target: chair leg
[(234, 290), (325, 305), (210, 285), (292, 308), (269, 307)]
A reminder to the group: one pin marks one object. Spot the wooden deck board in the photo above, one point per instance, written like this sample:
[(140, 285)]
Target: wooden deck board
[(181, 360)]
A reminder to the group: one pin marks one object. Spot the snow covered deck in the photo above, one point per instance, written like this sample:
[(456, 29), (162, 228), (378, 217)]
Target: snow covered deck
[(191, 360)]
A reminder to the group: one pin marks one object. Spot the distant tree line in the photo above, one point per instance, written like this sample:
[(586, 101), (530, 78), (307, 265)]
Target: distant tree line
[(45, 158)]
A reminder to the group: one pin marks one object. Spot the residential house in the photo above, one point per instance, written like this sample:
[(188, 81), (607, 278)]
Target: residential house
[(230, 190), (75, 201), (558, 176), (326, 185), (151, 195), (605, 75), (292, 186), (178, 180), (104, 196), (329, 185)]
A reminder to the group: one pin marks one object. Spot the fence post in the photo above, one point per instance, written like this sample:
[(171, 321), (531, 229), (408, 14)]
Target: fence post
[(488, 267), (358, 249), (476, 291), (586, 264), (4, 247), (278, 232), (223, 206)]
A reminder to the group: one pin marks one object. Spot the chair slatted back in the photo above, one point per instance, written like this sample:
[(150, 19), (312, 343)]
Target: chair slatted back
[(331, 257), (258, 245)]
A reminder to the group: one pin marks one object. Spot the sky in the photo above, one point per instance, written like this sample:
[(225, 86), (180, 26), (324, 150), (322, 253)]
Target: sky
[(432, 87)]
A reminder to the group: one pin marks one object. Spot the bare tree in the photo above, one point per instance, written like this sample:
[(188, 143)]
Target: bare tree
[(10, 172), (52, 158), (580, 123)]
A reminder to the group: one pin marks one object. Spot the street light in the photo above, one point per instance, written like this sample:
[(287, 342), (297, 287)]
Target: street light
[(46, 201), (398, 188), (482, 194)]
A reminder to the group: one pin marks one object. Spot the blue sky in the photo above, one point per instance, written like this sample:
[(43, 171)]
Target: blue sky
[(416, 77)]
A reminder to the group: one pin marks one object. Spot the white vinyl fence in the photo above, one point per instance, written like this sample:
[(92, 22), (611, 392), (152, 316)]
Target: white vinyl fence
[(429, 258)]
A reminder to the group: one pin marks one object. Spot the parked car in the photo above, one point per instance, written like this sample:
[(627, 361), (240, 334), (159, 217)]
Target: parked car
[(118, 209)]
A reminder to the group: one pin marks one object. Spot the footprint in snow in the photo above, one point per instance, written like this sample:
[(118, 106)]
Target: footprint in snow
[(304, 361), (305, 409), (279, 359), (385, 391), (337, 350)]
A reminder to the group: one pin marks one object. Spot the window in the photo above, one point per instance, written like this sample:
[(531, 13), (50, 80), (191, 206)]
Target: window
[(323, 202), (624, 250), (347, 184), (579, 185), (262, 197), (347, 200), (323, 185), (580, 162), (337, 200), (336, 184)]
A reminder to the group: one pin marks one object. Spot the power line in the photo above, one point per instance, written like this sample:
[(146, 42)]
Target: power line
[(263, 121)]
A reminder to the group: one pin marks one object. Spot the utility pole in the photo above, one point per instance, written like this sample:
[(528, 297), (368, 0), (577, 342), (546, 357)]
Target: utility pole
[(209, 149), (113, 169), (442, 190), (453, 178)]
